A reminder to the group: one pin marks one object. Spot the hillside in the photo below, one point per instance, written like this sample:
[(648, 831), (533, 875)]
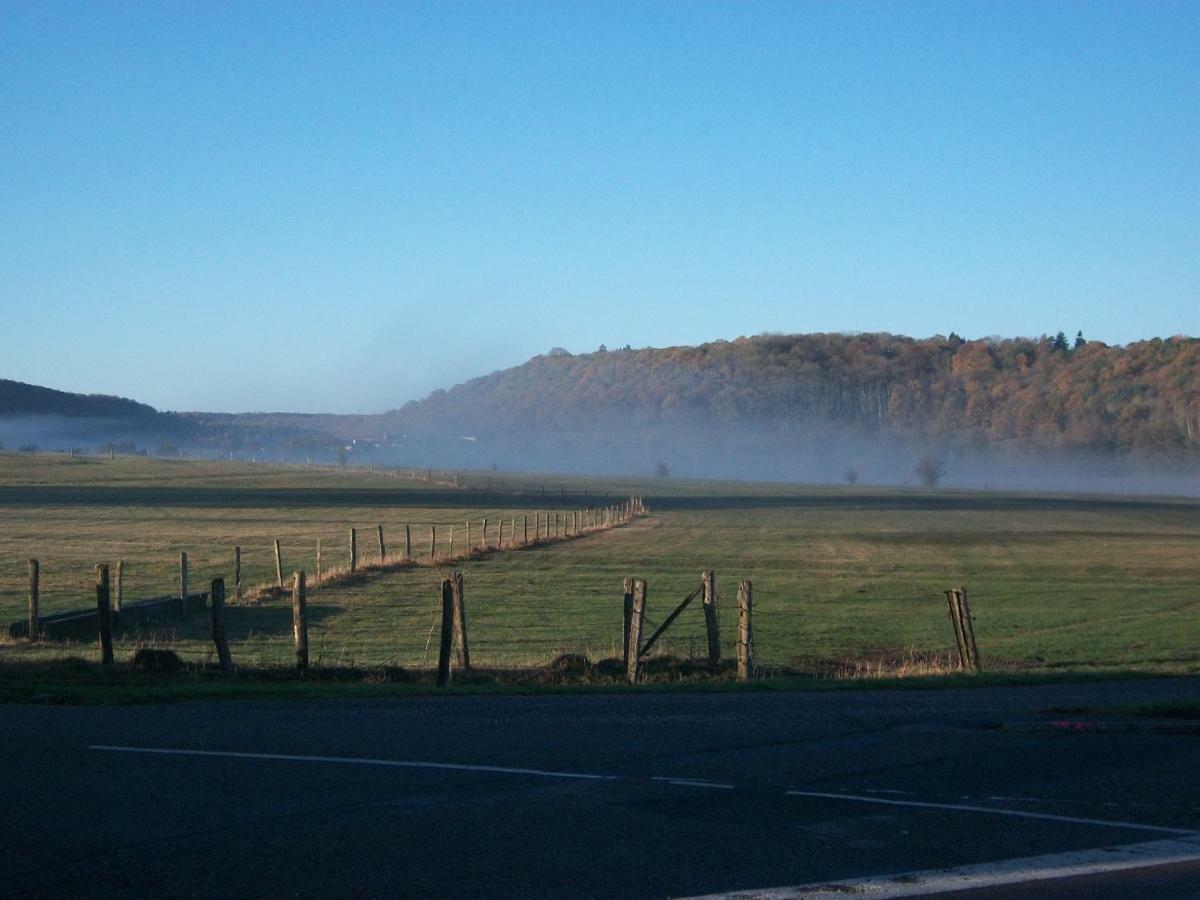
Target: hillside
[(19, 399), (1028, 394)]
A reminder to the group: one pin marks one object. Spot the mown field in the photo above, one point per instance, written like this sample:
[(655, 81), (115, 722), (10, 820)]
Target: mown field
[(844, 579)]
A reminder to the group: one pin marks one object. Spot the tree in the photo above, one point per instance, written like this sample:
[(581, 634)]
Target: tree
[(662, 470), (930, 470), (1079, 341), (1060, 342), (851, 476)]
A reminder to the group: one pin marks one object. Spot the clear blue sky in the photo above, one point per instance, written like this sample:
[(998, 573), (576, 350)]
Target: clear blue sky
[(341, 206)]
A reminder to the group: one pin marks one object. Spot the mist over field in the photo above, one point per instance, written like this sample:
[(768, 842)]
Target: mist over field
[(1034, 414)]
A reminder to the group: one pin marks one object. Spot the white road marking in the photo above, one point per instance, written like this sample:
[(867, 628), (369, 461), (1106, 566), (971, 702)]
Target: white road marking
[(1018, 813), (1010, 871), (356, 761), (693, 782)]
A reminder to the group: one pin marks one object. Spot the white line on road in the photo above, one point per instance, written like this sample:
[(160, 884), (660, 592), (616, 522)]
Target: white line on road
[(986, 875), (693, 782), (1018, 813), (355, 761)]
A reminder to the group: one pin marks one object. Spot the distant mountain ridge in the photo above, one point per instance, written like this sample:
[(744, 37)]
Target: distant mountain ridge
[(1042, 394), (20, 399)]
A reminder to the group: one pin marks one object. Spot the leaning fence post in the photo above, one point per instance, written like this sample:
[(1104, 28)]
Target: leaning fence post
[(638, 613), (956, 622), (183, 591), (968, 628), (353, 549), (382, 548), (745, 647), (119, 600), (278, 566), (627, 617), (300, 621), (102, 605), (463, 653), (34, 625), (444, 649), (711, 623), (217, 594)]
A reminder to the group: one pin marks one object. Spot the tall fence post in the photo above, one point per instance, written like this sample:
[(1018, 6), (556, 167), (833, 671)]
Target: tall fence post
[(638, 613), (432, 543), (525, 528), (444, 648), (626, 618), (483, 539), (711, 622), (34, 623), (217, 594), (318, 578), (102, 606), (183, 591), (382, 546), (745, 646), (468, 544), (407, 542), (119, 599), (237, 574), (353, 549), (463, 652), (300, 621), (450, 550), (278, 567), (952, 603), (968, 628)]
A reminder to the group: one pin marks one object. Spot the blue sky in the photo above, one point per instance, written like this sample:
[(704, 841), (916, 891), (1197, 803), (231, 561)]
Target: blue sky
[(341, 206)]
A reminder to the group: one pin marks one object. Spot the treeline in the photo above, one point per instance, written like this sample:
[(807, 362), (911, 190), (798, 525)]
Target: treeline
[(1044, 393)]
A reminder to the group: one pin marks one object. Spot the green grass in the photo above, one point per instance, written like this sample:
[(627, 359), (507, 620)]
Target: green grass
[(846, 581)]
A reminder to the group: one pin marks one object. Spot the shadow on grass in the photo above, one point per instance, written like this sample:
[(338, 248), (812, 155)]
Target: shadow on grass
[(74, 681)]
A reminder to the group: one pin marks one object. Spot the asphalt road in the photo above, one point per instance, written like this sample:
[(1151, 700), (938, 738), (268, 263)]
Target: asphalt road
[(609, 796)]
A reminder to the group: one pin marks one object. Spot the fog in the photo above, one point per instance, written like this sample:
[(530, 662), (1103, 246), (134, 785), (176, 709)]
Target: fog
[(820, 453)]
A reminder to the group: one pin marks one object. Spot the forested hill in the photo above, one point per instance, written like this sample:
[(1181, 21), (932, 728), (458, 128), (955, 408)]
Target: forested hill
[(1047, 393), (19, 399)]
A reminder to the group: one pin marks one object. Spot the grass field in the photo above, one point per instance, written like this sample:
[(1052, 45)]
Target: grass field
[(844, 579)]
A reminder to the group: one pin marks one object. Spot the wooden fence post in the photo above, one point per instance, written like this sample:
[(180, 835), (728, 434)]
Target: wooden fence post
[(407, 542), (638, 613), (468, 544), (237, 574), (35, 574), (183, 591), (300, 621), (318, 578), (968, 629), (382, 547), (525, 528), (627, 590), (353, 549), (711, 623), (102, 605), (432, 543), (463, 653), (450, 552), (500, 534), (217, 594), (483, 539), (119, 599), (956, 622), (278, 567), (444, 649), (512, 532), (745, 647)]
